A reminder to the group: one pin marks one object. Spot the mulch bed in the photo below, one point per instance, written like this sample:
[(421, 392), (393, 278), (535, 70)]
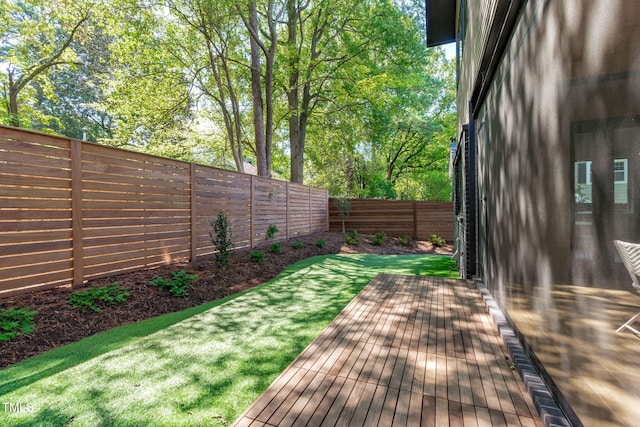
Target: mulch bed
[(57, 323)]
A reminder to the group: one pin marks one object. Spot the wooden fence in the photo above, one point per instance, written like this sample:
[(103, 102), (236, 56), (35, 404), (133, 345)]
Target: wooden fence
[(72, 210), (396, 218)]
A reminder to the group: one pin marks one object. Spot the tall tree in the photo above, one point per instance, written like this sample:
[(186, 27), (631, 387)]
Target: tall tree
[(324, 38), (36, 37), (263, 41)]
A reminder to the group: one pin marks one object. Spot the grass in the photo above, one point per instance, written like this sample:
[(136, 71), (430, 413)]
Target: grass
[(201, 366)]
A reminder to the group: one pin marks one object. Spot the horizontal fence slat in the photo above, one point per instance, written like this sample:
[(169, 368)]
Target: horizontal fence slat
[(130, 210), (35, 258), (396, 218), (43, 281)]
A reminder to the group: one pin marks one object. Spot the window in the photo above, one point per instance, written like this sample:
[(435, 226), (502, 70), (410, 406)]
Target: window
[(583, 173), (582, 182), (620, 179), (620, 173)]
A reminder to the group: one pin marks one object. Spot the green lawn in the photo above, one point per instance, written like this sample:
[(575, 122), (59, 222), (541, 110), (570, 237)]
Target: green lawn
[(201, 366)]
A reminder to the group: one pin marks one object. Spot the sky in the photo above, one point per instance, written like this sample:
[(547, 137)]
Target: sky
[(450, 50)]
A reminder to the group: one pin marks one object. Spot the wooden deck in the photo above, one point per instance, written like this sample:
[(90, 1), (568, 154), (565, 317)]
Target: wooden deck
[(408, 350)]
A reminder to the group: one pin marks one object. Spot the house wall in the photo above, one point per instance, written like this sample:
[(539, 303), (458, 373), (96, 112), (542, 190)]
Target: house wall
[(566, 91), (476, 17)]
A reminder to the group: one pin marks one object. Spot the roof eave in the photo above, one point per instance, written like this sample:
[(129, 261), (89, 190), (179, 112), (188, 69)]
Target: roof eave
[(441, 22)]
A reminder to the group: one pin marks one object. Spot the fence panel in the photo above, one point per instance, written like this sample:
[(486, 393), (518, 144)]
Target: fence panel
[(36, 242), (136, 210), (219, 190), (435, 218), (418, 219), (72, 210), (298, 210), (269, 207), (319, 210)]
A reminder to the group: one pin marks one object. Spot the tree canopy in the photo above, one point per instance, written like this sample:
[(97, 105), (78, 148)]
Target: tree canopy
[(342, 94)]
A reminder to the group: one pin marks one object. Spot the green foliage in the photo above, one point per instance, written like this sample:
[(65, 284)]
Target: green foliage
[(93, 298), (298, 244), (276, 248), (321, 243), (257, 256), (352, 238), (39, 38), (14, 321), (379, 238), (272, 231), (179, 284), (221, 239), (436, 240), (406, 241), (373, 108)]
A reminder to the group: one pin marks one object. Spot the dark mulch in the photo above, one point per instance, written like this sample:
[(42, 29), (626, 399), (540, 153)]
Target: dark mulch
[(57, 323)]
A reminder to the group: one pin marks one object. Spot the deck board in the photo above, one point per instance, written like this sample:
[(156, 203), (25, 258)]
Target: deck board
[(407, 351)]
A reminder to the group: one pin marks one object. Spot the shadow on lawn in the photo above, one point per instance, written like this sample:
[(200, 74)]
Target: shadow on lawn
[(192, 362), (72, 354)]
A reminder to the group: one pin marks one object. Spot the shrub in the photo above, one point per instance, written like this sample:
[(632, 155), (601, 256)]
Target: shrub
[(298, 244), (179, 284), (91, 299), (436, 240), (272, 231), (406, 241), (15, 321), (352, 238), (321, 243), (257, 256), (379, 238), (276, 248), (221, 239)]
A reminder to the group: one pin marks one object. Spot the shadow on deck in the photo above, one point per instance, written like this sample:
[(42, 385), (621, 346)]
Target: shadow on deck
[(408, 350)]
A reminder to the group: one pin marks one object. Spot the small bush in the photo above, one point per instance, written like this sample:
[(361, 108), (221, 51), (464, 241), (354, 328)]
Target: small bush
[(15, 321), (179, 284), (272, 231), (379, 238), (352, 238), (276, 248), (298, 244), (93, 298), (221, 239), (257, 256), (406, 241), (436, 240), (321, 243)]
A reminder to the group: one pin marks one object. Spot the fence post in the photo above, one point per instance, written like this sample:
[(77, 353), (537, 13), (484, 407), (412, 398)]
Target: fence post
[(328, 207), (76, 212), (194, 214), (309, 209), (415, 220), (286, 216), (251, 209)]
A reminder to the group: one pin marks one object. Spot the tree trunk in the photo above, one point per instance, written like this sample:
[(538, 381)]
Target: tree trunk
[(268, 91), (14, 118), (256, 92), (228, 116), (292, 94)]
